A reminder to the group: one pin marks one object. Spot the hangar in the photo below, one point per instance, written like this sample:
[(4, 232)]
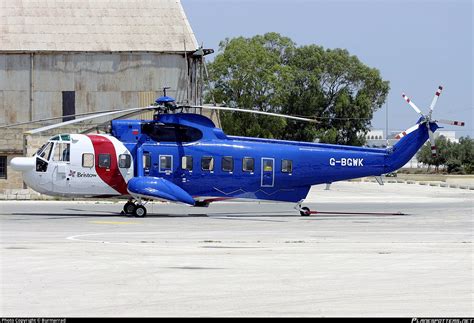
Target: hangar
[(60, 58)]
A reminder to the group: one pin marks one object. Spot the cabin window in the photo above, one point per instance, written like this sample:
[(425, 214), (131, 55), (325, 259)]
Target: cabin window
[(3, 167), (207, 163), (61, 152), (146, 160), (125, 161), (248, 164), (227, 164), (286, 166), (104, 160), (268, 165), (166, 163), (187, 162), (87, 160)]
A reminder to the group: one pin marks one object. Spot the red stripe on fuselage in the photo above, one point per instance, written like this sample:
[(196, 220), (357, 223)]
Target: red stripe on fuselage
[(112, 175)]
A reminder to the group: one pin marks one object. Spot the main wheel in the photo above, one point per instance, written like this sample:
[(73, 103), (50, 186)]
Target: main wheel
[(140, 211), (305, 211), (129, 208)]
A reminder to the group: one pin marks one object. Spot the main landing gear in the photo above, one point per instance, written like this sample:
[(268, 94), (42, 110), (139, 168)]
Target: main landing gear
[(304, 211), (132, 208)]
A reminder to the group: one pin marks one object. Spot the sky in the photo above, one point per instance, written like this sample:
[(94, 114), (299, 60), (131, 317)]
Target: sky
[(416, 45)]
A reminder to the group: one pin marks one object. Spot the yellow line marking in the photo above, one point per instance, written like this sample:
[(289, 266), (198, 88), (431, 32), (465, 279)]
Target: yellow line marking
[(112, 222)]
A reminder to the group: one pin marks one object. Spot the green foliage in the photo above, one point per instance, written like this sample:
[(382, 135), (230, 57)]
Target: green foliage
[(270, 73), (251, 73), (455, 157)]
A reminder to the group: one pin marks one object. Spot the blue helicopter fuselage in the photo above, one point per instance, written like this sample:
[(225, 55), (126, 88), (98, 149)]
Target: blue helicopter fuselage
[(188, 151)]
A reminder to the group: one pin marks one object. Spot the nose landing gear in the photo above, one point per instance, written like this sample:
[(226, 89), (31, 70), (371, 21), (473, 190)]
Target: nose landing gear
[(132, 208)]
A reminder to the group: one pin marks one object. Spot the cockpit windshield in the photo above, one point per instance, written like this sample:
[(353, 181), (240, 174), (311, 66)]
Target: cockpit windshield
[(57, 149), (45, 151)]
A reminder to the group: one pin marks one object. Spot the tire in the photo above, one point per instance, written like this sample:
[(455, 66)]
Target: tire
[(305, 211), (140, 211), (129, 208)]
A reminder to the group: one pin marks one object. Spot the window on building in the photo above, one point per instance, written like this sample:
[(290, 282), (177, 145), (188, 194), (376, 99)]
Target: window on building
[(3, 167), (166, 163), (125, 161), (207, 163), (87, 160), (187, 162), (104, 160), (248, 164), (69, 105), (286, 166), (227, 164)]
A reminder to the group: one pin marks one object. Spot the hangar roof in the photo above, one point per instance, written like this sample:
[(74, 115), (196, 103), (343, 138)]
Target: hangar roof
[(94, 25)]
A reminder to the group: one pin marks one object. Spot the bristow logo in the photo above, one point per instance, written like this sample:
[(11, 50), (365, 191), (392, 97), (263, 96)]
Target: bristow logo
[(353, 162), (72, 173), (79, 174)]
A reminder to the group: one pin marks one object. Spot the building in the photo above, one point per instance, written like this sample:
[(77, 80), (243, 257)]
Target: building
[(61, 57)]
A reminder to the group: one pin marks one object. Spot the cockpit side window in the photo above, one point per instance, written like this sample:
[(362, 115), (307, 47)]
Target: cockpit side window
[(41, 165), (62, 152)]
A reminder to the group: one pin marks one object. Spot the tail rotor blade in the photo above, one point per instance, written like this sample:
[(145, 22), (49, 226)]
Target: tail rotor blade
[(413, 105), (406, 132), (434, 152), (435, 99), (451, 122)]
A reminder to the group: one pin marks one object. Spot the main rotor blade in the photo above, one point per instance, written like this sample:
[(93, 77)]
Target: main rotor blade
[(413, 105), (53, 118), (435, 99), (98, 115), (451, 122), (211, 107)]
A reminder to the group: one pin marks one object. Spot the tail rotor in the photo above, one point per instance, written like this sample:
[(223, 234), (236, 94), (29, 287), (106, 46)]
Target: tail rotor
[(427, 120)]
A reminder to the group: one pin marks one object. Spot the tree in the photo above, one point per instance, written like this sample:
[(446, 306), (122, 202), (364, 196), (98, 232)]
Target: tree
[(270, 73), (338, 89), (250, 73), (456, 157)]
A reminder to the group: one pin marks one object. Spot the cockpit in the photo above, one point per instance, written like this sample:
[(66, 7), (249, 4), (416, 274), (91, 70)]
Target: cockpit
[(56, 149)]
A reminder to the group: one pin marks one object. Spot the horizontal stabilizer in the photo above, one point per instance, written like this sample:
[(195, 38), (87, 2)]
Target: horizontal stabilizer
[(158, 188)]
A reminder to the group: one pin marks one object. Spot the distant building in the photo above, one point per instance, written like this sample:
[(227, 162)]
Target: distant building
[(66, 57)]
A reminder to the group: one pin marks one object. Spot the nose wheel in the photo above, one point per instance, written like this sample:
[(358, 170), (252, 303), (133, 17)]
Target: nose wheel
[(133, 209)]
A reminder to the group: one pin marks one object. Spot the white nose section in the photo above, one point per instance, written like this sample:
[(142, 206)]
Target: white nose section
[(23, 164)]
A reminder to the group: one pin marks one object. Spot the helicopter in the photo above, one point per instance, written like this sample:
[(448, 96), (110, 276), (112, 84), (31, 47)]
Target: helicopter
[(183, 157)]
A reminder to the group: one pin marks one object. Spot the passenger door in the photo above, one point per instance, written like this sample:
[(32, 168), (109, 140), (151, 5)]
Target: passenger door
[(60, 166)]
